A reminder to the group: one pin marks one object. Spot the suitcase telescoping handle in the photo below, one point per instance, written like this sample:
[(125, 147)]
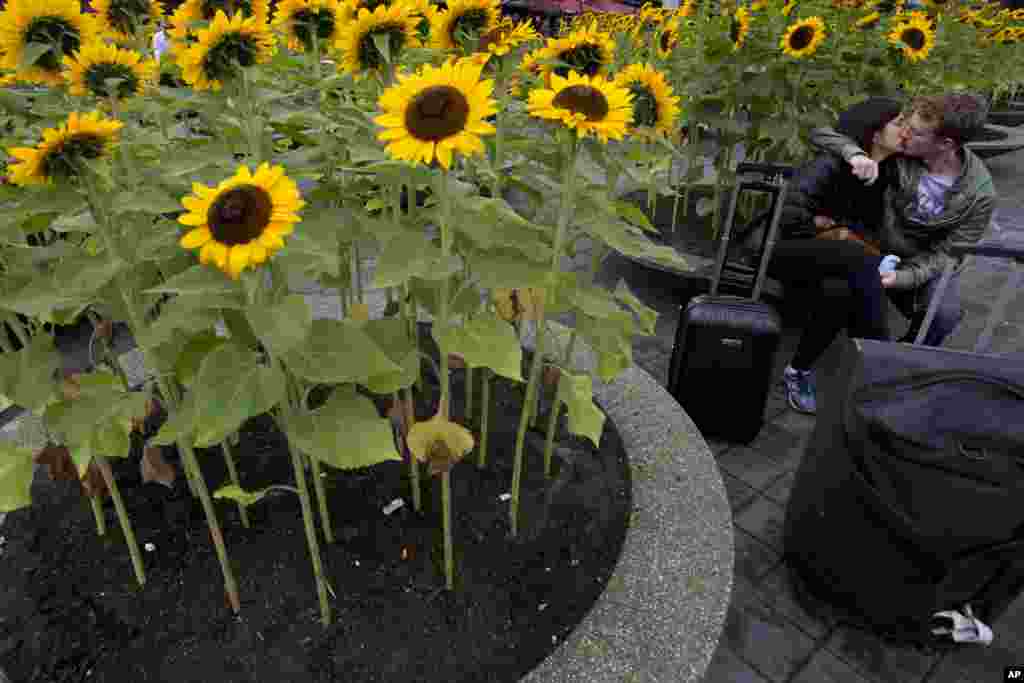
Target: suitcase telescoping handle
[(775, 182), (1013, 283)]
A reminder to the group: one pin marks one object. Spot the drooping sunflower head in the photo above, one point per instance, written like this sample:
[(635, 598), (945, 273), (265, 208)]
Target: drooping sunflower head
[(586, 51), (802, 38), (89, 70), (914, 36), (464, 24), (241, 222), (439, 442), (655, 109), (358, 40), (585, 104), (224, 48), (739, 27), (58, 24), (869, 20), (507, 36), (127, 19), (303, 22), (59, 156), (189, 17), (668, 38), (437, 111)]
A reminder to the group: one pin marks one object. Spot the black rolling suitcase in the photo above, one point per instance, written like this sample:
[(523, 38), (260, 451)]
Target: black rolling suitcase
[(724, 352), (907, 512)]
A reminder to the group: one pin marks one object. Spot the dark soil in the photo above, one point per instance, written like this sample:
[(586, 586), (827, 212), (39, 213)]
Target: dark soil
[(74, 612)]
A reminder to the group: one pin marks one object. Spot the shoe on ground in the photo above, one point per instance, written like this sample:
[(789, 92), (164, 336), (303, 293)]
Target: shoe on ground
[(800, 390)]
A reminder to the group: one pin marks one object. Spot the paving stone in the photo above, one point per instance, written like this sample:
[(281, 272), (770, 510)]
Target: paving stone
[(975, 664), (740, 495), (825, 667), (777, 590), (753, 467), (783, 441), (753, 559), (780, 490), (763, 637), (763, 519), (878, 660), (727, 667)]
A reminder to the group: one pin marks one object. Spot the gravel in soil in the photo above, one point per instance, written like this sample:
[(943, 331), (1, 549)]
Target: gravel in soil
[(73, 611)]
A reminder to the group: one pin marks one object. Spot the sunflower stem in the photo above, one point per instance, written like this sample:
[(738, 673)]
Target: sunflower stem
[(321, 499), (97, 513), (501, 86), (442, 318), (485, 409), (408, 419), (229, 460), (122, 517), (446, 511)]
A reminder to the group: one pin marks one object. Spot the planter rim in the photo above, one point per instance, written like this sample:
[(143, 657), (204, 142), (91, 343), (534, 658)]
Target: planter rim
[(664, 607)]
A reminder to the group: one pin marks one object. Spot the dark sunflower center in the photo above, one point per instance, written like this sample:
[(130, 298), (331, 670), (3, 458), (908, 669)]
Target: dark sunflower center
[(585, 58), (582, 99), (491, 38), (369, 56), (645, 106), (667, 41), (913, 38), (56, 32), (735, 30), (62, 162), (306, 21), (96, 80), (224, 58), (229, 7), (469, 25), (240, 215), (128, 15), (436, 113), (801, 38), (887, 6)]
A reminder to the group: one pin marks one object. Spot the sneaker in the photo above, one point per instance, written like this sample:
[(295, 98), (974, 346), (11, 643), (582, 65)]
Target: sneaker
[(800, 390)]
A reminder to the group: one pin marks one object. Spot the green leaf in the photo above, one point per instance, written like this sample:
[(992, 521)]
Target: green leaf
[(112, 439), (240, 495), (507, 268), (31, 53), (179, 425), (585, 418), (608, 340), (84, 274), (16, 468), (199, 280), (648, 316), (230, 388), (634, 214), (346, 432), (147, 200), (338, 351), (391, 336), (282, 327), (409, 255), (26, 376), (192, 354), (79, 222), (484, 341)]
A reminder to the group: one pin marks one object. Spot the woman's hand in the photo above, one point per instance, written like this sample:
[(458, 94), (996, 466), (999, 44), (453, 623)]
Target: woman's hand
[(823, 222)]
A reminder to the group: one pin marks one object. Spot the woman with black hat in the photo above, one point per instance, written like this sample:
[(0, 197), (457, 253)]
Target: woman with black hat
[(826, 233)]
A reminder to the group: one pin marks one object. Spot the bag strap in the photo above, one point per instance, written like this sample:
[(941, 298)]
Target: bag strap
[(919, 381)]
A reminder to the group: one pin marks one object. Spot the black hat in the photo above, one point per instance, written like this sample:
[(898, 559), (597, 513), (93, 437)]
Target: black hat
[(862, 120)]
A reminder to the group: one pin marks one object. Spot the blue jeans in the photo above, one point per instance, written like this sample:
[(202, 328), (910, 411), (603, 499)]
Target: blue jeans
[(914, 304)]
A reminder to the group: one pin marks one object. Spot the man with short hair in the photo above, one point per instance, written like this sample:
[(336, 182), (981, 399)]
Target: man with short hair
[(942, 193)]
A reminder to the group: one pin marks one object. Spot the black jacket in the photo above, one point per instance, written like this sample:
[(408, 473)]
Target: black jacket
[(826, 186)]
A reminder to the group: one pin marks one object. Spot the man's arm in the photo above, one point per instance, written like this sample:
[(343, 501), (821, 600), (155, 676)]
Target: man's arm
[(829, 140), (919, 269)]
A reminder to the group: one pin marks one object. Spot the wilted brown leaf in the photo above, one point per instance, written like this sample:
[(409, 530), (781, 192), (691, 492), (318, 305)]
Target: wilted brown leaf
[(71, 388), (58, 462), (155, 468), (93, 483)]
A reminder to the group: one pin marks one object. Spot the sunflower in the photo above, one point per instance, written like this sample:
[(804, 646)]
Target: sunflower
[(425, 11), (464, 23), (127, 19), (506, 36), (192, 12), (788, 8), (81, 137), (58, 23), (868, 21), (299, 20), (224, 47), (803, 37), (361, 54), (587, 51), (242, 221), (668, 38), (739, 27), (437, 111), (654, 107), (888, 6), (439, 442), (585, 104), (689, 8), (914, 35), (87, 72)]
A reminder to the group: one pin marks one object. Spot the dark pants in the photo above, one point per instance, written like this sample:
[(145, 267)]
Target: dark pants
[(859, 304)]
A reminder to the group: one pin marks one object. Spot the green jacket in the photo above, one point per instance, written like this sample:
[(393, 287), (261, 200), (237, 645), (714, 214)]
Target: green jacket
[(924, 246)]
